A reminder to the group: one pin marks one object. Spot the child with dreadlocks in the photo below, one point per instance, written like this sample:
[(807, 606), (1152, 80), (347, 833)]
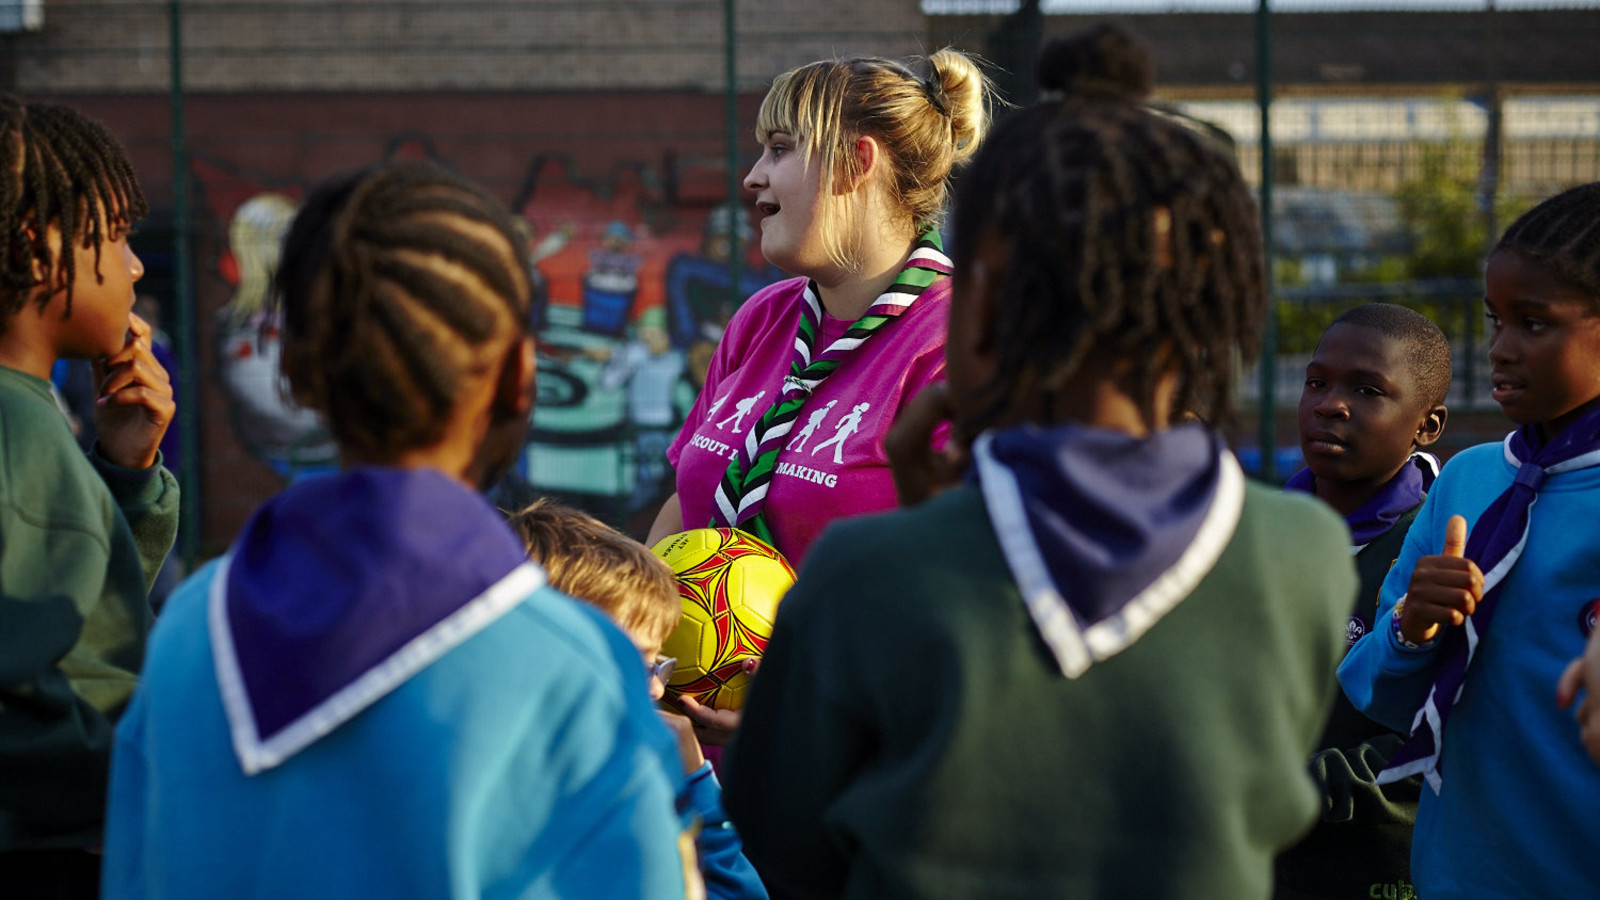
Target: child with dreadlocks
[(80, 538), (374, 693), (1373, 399), (1506, 539), (1031, 684)]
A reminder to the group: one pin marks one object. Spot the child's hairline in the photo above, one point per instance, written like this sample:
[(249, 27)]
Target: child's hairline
[(1550, 267), (603, 548), (1410, 365)]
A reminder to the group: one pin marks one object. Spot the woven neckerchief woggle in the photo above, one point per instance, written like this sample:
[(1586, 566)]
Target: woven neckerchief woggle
[(742, 493)]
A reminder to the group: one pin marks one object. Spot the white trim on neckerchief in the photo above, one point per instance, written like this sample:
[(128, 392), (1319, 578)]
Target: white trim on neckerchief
[(256, 755), (1076, 648)]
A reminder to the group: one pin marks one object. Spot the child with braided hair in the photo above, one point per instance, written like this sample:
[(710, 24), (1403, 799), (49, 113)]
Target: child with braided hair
[(81, 539), (1505, 538), (374, 693), (1032, 683)]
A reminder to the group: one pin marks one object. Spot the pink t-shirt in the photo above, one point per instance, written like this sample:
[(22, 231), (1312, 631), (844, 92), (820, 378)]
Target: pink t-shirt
[(833, 464)]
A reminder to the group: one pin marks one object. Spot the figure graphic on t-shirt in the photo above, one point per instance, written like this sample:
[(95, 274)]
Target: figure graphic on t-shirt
[(741, 410), (799, 442), (716, 406), (849, 424)]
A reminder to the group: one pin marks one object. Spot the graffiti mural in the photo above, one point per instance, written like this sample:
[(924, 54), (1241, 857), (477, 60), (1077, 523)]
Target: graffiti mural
[(287, 437), (634, 294), (631, 293)]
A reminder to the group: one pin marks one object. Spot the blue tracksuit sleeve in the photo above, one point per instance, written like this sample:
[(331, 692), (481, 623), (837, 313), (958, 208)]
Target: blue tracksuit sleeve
[(728, 874), (1382, 678)]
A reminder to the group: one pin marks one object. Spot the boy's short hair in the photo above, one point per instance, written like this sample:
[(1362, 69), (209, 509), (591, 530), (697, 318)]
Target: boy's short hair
[(588, 559), (1425, 345)]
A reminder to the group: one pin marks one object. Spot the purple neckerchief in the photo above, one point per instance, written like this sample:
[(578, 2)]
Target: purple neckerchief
[(344, 586), (1495, 544), (1401, 494), (1106, 533)]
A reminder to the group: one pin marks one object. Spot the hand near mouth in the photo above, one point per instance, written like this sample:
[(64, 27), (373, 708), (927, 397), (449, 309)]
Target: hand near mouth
[(135, 403)]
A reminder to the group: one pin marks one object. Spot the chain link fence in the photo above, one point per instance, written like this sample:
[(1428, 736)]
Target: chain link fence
[(618, 130)]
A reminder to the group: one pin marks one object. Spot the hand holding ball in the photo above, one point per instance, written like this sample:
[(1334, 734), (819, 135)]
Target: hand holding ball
[(730, 584)]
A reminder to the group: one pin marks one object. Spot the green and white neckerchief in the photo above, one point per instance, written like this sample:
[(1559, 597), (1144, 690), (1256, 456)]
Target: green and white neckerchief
[(742, 493)]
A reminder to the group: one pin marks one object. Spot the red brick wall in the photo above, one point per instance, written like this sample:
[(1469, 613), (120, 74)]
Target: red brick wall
[(658, 150)]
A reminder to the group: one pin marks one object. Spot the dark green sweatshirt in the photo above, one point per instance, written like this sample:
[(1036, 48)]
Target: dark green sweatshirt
[(80, 542), (1361, 847), (909, 734)]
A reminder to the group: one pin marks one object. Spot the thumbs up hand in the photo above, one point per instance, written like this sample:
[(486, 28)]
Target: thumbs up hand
[(1444, 590)]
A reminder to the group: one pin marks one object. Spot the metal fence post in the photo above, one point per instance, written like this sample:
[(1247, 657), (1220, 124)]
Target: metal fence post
[(1269, 343), (183, 287), (735, 248)]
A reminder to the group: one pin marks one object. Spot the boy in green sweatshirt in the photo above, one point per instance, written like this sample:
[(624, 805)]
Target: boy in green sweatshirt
[(81, 536), (1373, 402)]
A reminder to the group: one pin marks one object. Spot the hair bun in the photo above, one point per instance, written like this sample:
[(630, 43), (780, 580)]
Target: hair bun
[(1103, 60)]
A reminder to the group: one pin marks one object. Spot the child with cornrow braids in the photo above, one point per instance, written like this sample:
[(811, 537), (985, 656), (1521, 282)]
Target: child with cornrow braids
[(374, 693), (81, 539), (1506, 538), (1033, 683)]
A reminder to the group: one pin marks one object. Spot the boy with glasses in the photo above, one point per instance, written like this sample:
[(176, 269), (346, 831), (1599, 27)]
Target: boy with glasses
[(593, 562)]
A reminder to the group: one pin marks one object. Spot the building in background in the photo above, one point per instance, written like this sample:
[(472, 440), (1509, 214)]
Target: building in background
[(604, 124)]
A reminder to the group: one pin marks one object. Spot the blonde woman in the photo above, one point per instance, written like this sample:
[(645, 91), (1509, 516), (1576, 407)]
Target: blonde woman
[(856, 157)]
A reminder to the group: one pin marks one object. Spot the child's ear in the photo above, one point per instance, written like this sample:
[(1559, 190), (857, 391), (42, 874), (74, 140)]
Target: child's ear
[(293, 365), (1432, 426), (984, 273), (515, 389), (39, 269)]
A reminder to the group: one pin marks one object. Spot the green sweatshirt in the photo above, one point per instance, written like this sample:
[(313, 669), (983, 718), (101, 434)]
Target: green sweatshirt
[(1361, 846), (909, 735), (80, 542)]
